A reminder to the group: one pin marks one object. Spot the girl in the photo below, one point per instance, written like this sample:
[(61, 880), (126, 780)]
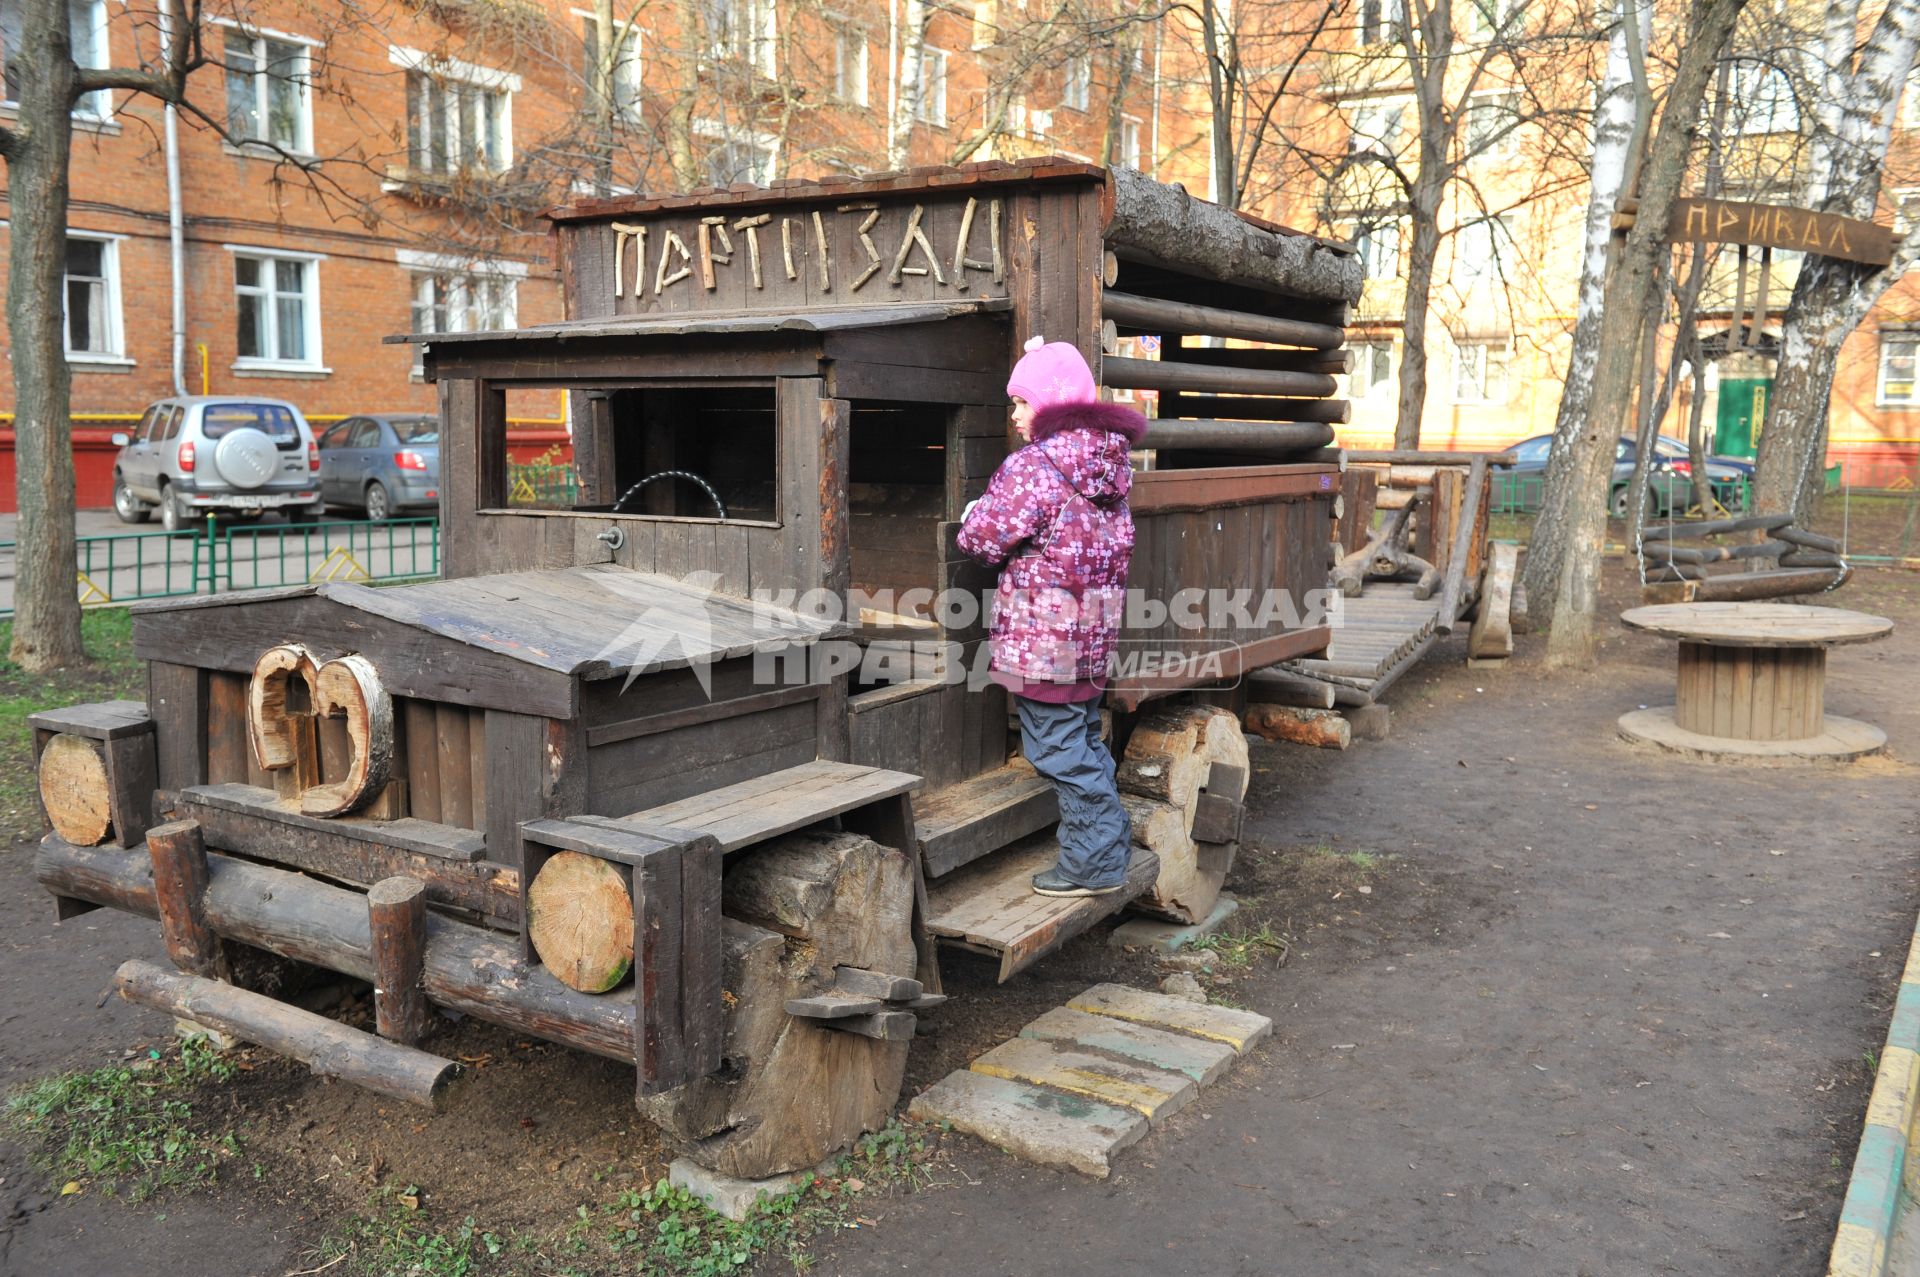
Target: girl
[(1055, 513)]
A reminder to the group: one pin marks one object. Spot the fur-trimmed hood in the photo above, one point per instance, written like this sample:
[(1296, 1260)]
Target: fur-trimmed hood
[(1117, 418)]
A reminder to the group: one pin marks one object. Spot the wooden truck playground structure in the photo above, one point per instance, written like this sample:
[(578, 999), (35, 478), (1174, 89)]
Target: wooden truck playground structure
[(612, 781)]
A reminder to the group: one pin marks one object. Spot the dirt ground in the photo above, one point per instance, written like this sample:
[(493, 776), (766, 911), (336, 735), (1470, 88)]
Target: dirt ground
[(1602, 1012)]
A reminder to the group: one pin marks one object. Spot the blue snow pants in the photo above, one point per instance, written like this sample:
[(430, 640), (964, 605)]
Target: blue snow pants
[(1063, 744)]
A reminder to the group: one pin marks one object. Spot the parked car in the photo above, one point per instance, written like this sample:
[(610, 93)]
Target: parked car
[(382, 463), (1669, 485), (211, 454)]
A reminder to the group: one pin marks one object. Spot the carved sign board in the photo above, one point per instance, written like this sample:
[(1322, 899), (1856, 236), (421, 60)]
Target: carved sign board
[(820, 254), (1698, 221)]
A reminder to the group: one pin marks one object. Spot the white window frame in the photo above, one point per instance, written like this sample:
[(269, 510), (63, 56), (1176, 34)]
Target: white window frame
[(1751, 80), (1482, 25), (1384, 27), (312, 327), (98, 105), (752, 41), (463, 274), (851, 82), (1910, 101), (628, 71), (1369, 237), (303, 77), (1358, 109), (767, 145), (1131, 132), (1502, 248), (1502, 108), (116, 352), (505, 83), (1361, 383), (1888, 338), (1487, 348), (1076, 90), (930, 105)]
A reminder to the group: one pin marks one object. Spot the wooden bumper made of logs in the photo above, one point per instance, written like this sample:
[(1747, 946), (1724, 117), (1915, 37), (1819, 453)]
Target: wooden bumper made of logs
[(388, 938)]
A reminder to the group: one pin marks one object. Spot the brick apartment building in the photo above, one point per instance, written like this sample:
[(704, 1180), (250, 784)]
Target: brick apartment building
[(443, 128)]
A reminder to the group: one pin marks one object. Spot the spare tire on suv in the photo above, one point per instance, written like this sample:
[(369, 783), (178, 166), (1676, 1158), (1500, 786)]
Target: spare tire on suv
[(246, 458)]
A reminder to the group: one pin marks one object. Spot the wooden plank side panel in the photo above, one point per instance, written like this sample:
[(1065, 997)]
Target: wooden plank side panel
[(453, 761), (422, 762), (648, 771), (227, 747), (177, 698), (459, 495)]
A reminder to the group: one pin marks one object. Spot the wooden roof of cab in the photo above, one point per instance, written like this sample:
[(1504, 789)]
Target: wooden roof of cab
[(516, 640)]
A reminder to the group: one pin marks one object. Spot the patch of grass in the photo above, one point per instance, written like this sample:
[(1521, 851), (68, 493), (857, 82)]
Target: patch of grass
[(125, 1128), (115, 674), (658, 1231), (1239, 951), (1364, 861)]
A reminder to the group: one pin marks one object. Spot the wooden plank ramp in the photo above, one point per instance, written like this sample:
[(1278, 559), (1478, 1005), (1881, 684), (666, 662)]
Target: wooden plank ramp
[(1380, 635), (990, 906)]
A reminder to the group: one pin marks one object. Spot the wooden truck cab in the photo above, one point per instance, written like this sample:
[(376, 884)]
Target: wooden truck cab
[(638, 745)]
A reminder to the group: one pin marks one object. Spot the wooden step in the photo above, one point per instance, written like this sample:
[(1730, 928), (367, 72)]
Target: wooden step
[(990, 906), (963, 822), (780, 802)]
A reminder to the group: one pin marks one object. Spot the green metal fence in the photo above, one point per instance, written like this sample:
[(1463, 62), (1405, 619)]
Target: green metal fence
[(1522, 493), (546, 486), (214, 557)]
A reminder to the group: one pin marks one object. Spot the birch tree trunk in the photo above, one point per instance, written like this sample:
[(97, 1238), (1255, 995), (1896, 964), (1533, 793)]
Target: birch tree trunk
[(46, 624), (679, 117), (913, 86), (1612, 139), (1590, 461), (1852, 128)]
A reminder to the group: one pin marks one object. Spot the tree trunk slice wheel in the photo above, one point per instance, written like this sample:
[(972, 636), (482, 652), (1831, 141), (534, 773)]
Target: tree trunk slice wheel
[(1168, 762), (74, 790), (791, 1091), (580, 920)]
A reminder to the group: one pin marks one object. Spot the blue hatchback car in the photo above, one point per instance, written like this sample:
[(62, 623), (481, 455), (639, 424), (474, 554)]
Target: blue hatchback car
[(382, 463)]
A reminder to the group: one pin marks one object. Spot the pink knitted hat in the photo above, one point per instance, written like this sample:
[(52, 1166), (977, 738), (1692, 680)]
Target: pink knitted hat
[(1052, 372)]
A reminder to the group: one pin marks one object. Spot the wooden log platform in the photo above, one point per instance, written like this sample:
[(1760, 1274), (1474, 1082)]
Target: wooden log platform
[(990, 906), (1382, 634)]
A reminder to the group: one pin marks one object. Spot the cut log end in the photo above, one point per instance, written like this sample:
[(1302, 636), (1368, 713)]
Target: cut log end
[(580, 920), (74, 790)]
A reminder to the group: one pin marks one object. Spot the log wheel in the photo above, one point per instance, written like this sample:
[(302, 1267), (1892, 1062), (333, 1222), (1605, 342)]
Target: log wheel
[(793, 1090), (1168, 765)]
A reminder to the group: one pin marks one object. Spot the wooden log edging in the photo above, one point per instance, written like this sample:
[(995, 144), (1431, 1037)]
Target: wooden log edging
[(1467, 519), (1165, 374), (472, 971), (397, 925), (326, 1046)]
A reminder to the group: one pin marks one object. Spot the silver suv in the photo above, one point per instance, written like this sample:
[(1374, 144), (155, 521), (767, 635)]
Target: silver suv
[(211, 454)]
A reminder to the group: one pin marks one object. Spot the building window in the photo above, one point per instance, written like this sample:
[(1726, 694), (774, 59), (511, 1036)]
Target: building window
[(445, 302), (930, 103), (743, 31), (277, 309), (267, 91), (737, 155), (459, 116), (1491, 118), (850, 65), (1078, 94), (87, 19), (1380, 21), (1372, 368), (93, 299), (1377, 125), (1480, 372), (1898, 352), (1130, 142), (1489, 18), (1485, 250), (1762, 100), (1377, 244), (626, 65)]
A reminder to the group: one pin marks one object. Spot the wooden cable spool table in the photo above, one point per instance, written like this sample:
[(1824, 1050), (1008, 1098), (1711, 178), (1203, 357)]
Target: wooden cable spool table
[(1752, 681)]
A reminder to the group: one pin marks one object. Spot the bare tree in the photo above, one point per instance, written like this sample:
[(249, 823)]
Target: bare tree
[(1629, 288), (1853, 126)]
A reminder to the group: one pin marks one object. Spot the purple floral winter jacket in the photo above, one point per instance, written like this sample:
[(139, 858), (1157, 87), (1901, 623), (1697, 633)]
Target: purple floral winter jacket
[(1056, 514)]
